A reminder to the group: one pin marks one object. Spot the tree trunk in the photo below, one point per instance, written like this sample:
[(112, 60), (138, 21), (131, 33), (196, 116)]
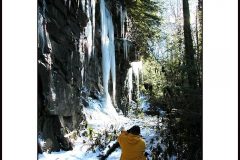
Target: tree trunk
[(197, 38), (200, 21), (189, 51), (198, 65)]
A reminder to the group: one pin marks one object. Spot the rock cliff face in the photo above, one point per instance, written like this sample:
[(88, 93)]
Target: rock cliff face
[(70, 64)]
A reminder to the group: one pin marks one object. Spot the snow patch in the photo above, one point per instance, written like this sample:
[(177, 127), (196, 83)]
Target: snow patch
[(100, 114)]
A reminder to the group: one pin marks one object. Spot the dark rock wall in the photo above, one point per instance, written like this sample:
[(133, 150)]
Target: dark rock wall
[(61, 86)]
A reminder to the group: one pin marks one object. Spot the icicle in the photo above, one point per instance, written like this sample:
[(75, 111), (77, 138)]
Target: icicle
[(53, 94), (88, 32), (49, 45), (44, 8), (93, 6), (112, 54), (82, 57), (69, 3), (42, 31), (88, 8), (130, 84), (125, 48), (122, 23), (41, 27), (71, 56), (82, 75), (137, 68), (105, 51), (83, 5), (108, 50), (123, 16), (78, 3), (52, 87), (51, 84), (41, 37), (76, 44)]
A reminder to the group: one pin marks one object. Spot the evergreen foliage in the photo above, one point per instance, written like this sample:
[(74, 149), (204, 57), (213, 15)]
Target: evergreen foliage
[(176, 87), (145, 16)]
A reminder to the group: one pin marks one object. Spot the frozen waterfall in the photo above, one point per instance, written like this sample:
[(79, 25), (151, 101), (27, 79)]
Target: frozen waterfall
[(108, 51), (89, 7), (135, 70)]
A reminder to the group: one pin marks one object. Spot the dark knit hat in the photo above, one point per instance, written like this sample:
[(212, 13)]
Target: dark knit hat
[(135, 130)]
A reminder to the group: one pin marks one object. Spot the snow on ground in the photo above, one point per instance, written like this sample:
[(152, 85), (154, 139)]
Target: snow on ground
[(99, 117), (144, 102), (80, 151), (99, 120), (148, 132)]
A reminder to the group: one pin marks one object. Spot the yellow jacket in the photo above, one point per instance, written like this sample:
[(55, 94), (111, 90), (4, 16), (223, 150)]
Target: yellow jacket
[(133, 146)]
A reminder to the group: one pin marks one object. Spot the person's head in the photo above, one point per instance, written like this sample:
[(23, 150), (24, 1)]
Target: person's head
[(135, 130)]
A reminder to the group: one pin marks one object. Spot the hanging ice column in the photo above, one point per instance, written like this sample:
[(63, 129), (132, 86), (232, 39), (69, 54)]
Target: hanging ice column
[(108, 51), (93, 6), (129, 84), (43, 37), (135, 70), (123, 14), (90, 28)]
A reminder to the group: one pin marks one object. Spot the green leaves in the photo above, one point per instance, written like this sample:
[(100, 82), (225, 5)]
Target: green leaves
[(152, 76)]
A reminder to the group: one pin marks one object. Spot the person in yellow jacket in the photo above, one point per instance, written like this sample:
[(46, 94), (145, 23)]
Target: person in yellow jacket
[(132, 145)]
